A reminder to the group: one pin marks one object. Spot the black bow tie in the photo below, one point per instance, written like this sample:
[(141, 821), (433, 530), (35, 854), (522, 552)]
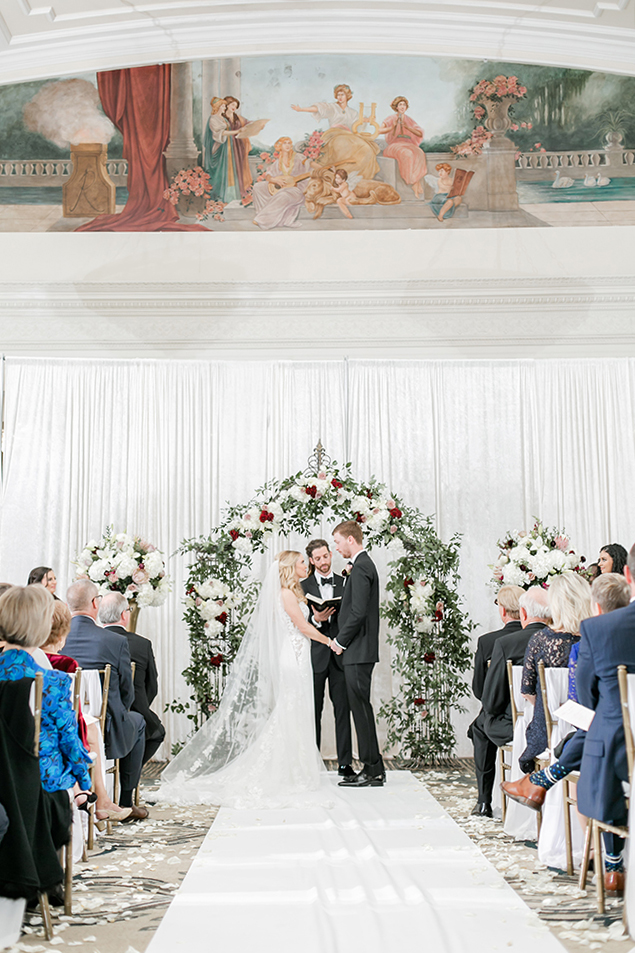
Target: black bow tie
[(328, 581)]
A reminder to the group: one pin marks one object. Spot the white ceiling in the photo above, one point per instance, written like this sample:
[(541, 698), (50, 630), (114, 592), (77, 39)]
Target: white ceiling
[(39, 39)]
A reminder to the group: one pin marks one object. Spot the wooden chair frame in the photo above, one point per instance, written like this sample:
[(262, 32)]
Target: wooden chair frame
[(594, 827), (503, 765), (105, 687)]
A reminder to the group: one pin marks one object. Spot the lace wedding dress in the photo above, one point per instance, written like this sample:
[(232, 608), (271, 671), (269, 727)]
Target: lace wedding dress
[(258, 749)]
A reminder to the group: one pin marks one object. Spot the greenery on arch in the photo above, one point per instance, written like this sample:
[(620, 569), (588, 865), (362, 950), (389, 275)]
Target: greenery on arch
[(428, 630)]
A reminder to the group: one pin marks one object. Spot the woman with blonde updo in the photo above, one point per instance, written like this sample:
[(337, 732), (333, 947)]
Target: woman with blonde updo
[(279, 197), (258, 749)]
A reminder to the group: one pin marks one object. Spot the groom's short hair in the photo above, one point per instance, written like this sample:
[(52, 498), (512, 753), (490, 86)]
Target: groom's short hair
[(310, 549), (350, 528)]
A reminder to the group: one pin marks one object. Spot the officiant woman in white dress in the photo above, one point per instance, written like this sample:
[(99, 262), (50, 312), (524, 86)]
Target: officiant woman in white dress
[(258, 749)]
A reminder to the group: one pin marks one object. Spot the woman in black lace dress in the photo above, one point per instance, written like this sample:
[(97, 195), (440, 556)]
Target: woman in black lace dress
[(569, 603)]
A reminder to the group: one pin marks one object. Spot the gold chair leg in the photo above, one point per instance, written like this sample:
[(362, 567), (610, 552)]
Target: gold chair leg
[(567, 825), (586, 856), (68, 879), (45, 910), (599, 867), (538, 824)]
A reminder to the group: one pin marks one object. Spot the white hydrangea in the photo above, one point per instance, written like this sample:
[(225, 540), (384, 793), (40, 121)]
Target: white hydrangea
[(420, 594), (153, 563), (513, 576), (125, 565), (558, 561), (97, 572), (251, 518), (424, 624), (85, 559), (396, 547), (124, 542), (361, 504), (213, 627), (298, 493), (243, 545), (145, 596), (212, 589)]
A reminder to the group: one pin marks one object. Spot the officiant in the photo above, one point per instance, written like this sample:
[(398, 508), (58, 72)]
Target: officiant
[(322, 583)]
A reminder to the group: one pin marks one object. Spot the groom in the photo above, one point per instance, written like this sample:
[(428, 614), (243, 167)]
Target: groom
[(358, 639)]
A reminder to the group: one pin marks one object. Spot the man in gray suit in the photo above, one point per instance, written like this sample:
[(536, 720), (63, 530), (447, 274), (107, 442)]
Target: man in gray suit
[(93, 647)]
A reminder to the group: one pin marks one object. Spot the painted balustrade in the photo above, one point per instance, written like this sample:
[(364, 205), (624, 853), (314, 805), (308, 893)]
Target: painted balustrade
[(51, 172), (534, 166)]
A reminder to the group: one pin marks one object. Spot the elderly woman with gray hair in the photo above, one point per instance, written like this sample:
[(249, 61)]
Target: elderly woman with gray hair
[(25, 625)]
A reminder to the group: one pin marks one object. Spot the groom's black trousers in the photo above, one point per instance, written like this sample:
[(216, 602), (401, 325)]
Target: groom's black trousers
[(358, 680)]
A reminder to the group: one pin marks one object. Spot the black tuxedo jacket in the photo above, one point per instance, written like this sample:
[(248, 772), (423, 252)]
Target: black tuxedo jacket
[(484, 649), (496, 701), (94, 647), (321, 654), (359, 615)]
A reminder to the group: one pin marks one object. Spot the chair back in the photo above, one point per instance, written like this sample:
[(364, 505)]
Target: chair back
[(133, 666), (626, 684), (554, 688), (95, 687), (77, 687), (514, 675), (37, 712)]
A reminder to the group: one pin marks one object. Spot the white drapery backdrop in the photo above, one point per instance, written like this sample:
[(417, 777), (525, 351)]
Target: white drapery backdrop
[(157, 448)]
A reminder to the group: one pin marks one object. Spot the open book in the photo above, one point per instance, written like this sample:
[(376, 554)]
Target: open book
[(333, 603), (577, 715)]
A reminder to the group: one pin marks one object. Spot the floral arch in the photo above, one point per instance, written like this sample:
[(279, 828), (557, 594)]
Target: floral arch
[(428, 630)]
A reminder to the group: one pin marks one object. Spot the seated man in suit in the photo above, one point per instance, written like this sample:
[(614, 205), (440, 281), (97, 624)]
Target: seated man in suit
[(485, 753), (93, 647), (323, 583), (114, 614), (493, 726)]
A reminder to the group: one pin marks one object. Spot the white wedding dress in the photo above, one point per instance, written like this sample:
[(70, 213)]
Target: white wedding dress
[(258, 749)]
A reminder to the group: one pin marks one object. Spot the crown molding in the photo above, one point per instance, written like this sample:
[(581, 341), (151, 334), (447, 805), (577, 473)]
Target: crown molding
[(42, 44), (311, 320)]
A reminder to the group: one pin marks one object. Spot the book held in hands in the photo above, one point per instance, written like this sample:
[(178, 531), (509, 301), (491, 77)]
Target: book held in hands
[(333, 603)]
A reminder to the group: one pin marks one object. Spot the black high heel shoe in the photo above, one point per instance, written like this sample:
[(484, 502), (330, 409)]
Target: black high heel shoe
[(90, 798)]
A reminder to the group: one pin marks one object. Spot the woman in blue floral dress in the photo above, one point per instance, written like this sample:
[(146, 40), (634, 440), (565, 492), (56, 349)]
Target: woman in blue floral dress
[(25, 623)]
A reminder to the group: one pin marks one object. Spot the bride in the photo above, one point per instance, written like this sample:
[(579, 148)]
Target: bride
[(258, 749)]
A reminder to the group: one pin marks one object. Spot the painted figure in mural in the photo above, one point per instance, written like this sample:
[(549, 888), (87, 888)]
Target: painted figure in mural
[(450, 188), (226, 157), (403, 136), (240, 147), (280, 196), (344, 148), (342, 187)]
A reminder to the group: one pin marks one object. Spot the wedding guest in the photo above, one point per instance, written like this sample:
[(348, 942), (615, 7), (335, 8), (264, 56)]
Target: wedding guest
[(88, 727), (569, 599), (25, 624), (327, 666), (493, 725), (114, 614), (94, 648), (593, 571), (4, 586), (609, 592), (45, 576), (612, 558)]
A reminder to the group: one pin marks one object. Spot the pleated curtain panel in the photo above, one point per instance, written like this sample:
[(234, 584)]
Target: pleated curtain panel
[(158, 447)]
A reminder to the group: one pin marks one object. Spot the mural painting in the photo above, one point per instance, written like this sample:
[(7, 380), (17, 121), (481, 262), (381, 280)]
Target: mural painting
[(318, 142)]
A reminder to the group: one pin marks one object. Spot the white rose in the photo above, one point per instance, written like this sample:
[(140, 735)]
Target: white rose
[(424, 624), (153, 563)]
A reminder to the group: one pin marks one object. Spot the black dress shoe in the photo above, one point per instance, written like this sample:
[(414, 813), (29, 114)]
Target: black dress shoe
[(345, 771), (363, 780), (481, 809)]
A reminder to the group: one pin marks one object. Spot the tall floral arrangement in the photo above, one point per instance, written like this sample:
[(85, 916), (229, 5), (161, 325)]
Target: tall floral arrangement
[(497, 90), (428, 630), (531, 558), (119, 562), (189, 185)]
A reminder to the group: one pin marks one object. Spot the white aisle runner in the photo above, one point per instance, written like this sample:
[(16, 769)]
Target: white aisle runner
[(384, 869)]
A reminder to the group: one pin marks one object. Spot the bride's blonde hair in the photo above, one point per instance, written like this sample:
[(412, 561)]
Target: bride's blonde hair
[(288, 579)]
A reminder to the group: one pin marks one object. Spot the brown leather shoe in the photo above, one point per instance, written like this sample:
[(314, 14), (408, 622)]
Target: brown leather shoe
[(137, 813), (614, 881), (523, 791)]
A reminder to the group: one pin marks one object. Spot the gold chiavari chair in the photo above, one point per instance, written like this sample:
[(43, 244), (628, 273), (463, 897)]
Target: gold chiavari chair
[(596, 828), (45, 909), (503, 765), (105, 686)]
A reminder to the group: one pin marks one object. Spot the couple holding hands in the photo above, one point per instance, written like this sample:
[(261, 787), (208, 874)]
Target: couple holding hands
[(259, 749)]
